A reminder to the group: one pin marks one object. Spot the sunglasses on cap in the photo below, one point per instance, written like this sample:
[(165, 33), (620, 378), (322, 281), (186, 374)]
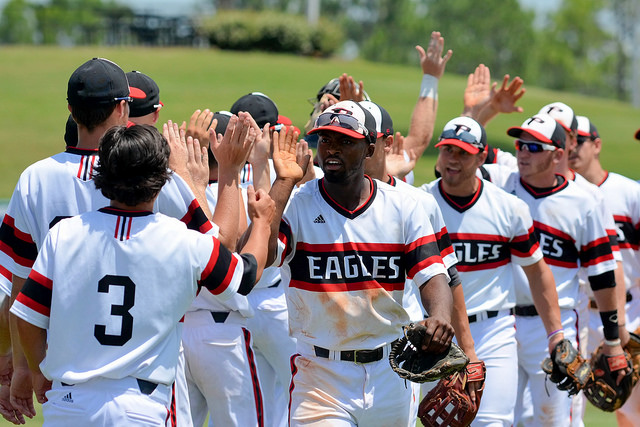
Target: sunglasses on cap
[(463, 136), (534, 146), (341, 120), (124, 98)]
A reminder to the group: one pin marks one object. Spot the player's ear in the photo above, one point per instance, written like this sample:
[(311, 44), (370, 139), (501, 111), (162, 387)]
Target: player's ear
[(371, 148), (557, 155), (388, 142), (482, 156), (597, 145)]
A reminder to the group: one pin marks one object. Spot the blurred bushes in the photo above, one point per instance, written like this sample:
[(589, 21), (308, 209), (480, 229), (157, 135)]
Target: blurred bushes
[(270, 31)]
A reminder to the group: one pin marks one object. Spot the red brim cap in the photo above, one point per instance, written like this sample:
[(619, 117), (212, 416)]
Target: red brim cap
[(461, 144), (517, 131), (638, 134), (344, 131), (134, 92), (583, 133)]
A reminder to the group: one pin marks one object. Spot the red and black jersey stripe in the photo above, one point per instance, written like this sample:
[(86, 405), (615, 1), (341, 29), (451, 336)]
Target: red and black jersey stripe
[(16, 244), (524, 246), (88, 160), (196, 219), (284, 235), (596, 252), (342, 267), (217, 276), (36, 293), (630, 232), (480, 251), (420, 254), (444, 242), (557, 246)]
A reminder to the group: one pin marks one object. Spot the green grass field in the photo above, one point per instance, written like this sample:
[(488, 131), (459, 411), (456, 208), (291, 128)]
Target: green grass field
[(33, 84)]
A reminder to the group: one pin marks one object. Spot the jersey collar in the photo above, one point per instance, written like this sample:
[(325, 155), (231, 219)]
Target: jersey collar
[(454, 201), (82, 151), (539, 193), (121, 212), (342, 210)]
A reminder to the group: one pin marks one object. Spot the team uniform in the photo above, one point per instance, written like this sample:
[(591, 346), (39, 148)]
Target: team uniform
[(569, 239), (491, 231), (112, 335), (346, 272), (61, 186), (217, 330)]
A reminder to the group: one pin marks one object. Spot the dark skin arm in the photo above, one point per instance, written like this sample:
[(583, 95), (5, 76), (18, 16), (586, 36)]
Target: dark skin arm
[(438, 302)]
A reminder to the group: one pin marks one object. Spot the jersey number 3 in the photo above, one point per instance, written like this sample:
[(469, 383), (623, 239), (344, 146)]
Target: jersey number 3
[(126, 331)]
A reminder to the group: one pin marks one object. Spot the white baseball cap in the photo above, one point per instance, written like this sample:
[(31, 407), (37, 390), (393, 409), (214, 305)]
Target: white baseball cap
[(543, 127), (348, 118), (464, 132), (562, 113)]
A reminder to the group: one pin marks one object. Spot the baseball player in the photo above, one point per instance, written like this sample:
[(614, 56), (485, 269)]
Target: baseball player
[(98, 95), (346, 266), (622, 196), (491, 231), (145, 104), (575, 239), (99, 314)]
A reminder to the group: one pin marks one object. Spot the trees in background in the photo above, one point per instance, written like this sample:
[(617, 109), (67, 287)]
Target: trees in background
[(582, 45)]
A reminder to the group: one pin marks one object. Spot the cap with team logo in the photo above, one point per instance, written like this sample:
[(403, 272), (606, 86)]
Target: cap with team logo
[(384, 124), (543, 127), (586, 128), (464, 132), (97, 82), (260, 106), (562, 113), (145, 93), (348, 118)]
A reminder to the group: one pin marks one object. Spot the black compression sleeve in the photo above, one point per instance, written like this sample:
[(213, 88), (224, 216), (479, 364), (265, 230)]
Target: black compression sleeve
[(603, 281)]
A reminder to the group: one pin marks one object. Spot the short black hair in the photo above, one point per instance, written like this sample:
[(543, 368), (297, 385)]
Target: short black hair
[(92, 117), (134, 164)]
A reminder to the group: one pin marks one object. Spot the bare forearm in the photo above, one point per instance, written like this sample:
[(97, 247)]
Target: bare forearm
[(460, 322), (19, 360), (621, 292), (34, 343), (422, 124), (257, 244), (280, 193), (545, 295), (5, 331), (436, 297), (227, 209)]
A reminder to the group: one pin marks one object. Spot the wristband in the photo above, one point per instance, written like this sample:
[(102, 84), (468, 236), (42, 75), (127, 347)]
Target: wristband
[(429, 87), (556, 332), (610, 324), (613, 343)]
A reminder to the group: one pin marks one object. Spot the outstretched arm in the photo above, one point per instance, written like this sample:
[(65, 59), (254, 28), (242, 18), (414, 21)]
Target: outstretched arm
[(424, 113), (503, 100)]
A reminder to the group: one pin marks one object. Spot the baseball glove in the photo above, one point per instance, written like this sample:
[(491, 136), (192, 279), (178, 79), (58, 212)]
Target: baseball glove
[(567, 368), (449, 404), (603, 392), (413, 364)]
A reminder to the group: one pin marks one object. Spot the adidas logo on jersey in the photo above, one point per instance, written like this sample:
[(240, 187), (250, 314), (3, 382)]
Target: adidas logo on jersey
[(67, 398), (319, 220)]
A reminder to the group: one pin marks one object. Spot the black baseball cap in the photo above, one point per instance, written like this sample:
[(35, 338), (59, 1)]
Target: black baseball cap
[(260, 106), (384, 124), (97, 82), (223, 120), (145, 93)]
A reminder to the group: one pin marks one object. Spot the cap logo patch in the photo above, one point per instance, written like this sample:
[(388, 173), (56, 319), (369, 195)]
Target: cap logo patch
[(535, 119), (341, 110), (554, 108), (462, 128)]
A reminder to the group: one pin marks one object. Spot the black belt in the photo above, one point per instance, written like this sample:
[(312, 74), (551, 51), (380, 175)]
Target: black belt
[(219, 316), (146, 387), (594, 305), (525, 310), (476, 317), (358, 356)]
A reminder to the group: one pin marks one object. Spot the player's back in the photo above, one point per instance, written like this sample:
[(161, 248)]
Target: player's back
[(120, 283)]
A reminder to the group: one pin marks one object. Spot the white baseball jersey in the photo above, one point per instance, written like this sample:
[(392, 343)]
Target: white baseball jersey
[(505, 158), (622, 197), (488, 233), (111, 286), (61, 186), (346, 269), (571, 232)]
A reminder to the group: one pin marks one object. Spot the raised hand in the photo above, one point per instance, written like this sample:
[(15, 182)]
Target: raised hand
[(232, 150), (284, 155), (396, 163), (349, 91), (177, 143), (504, 100), (302, 151), (199, 126), (432, 61), (260, 206), (197, 162), (477, 94)]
